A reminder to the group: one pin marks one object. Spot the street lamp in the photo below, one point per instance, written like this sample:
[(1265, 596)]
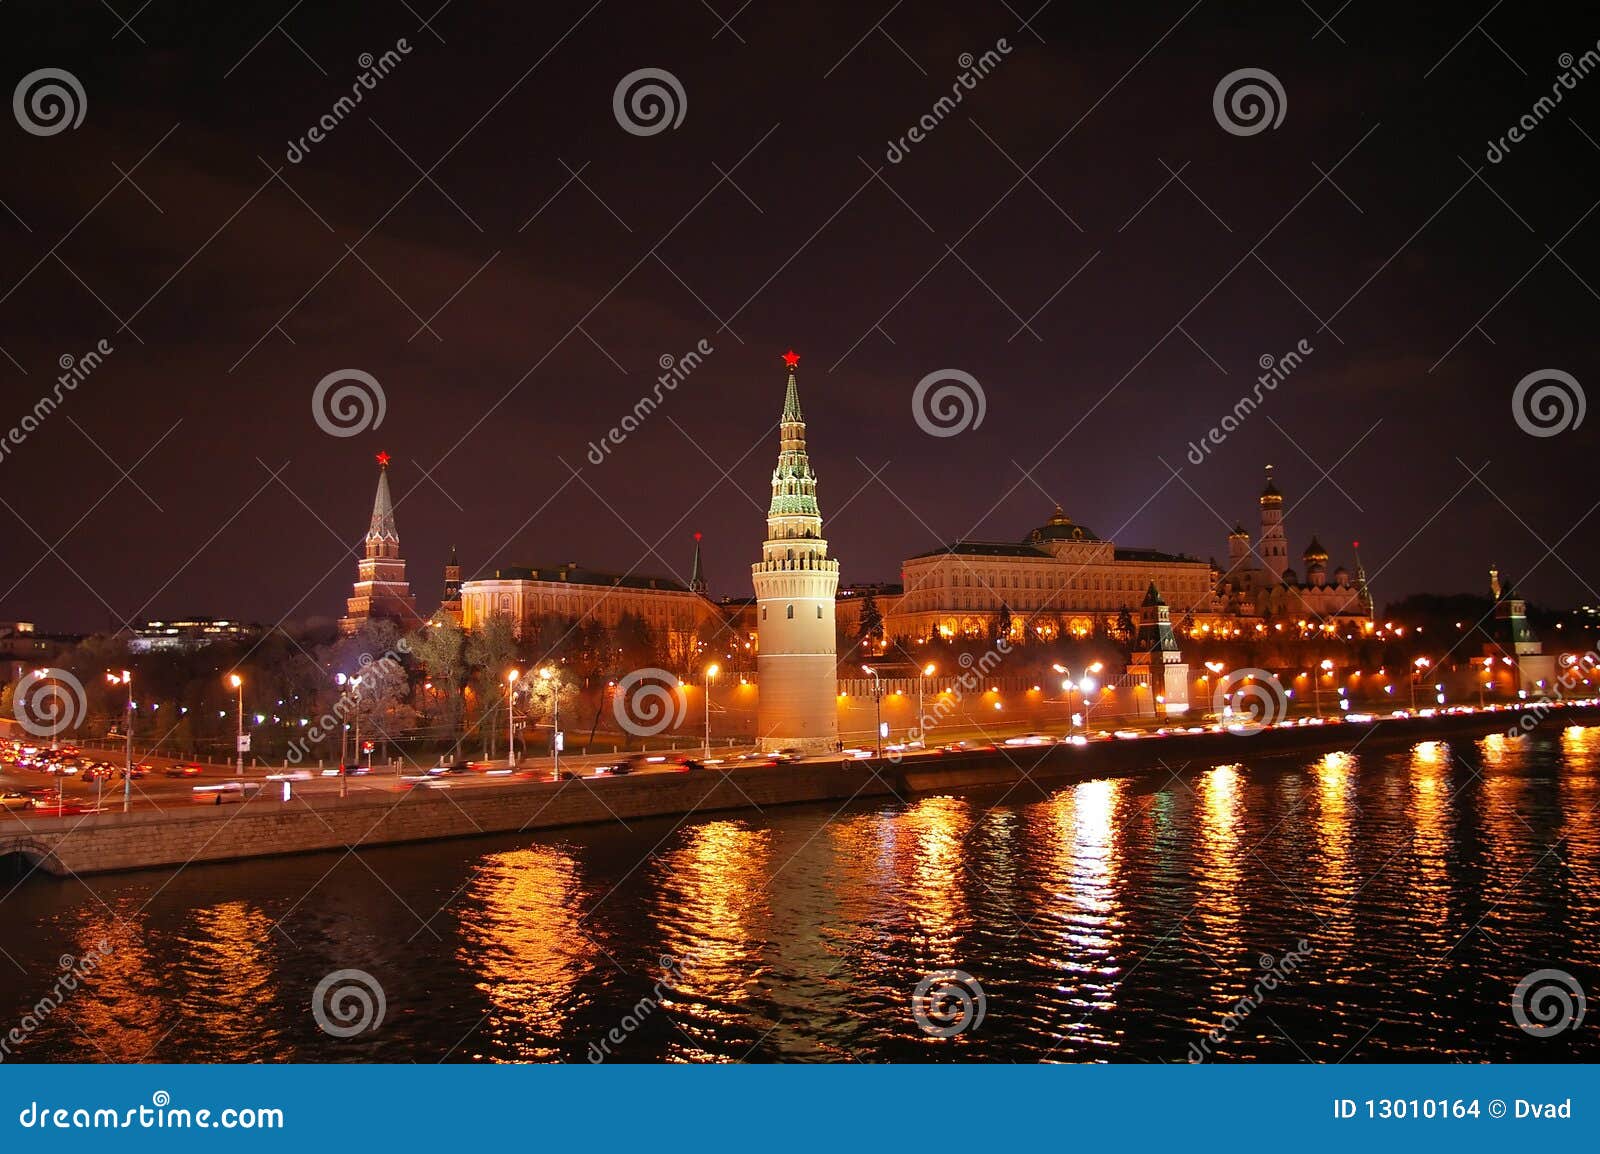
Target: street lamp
[(711, 671), (511, 722), (1086, 687), (926, 671), (1316, 682), (127, 769), (55, 730), (548, 674), (1418, 666), (238, 684), (877, 697)]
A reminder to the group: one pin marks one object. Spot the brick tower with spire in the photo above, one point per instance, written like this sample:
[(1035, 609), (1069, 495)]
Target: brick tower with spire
[(450, 602), (381, 590), (795, 583)]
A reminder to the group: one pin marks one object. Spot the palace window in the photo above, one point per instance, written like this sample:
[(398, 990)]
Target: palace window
[(791, 613)]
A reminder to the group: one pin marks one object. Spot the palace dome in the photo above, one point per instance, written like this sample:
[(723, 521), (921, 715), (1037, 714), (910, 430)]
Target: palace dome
[(1060, 527)]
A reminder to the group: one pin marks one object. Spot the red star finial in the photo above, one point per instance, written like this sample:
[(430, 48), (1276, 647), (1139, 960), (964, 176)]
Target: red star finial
[(383, 460), (791, 358), (697, 536)]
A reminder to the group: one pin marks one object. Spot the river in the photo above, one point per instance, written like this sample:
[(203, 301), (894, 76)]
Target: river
[(1360, 906)]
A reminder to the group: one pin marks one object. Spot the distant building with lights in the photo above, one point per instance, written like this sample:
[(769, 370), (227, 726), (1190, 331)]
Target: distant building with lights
[(186, 635), (21, 641)]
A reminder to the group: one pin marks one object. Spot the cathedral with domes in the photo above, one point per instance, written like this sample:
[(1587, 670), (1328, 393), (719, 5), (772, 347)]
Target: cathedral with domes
[(1259, 582)]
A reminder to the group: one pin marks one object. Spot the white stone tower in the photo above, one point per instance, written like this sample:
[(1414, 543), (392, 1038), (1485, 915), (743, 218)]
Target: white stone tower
[(1273, 547), (795, 582)]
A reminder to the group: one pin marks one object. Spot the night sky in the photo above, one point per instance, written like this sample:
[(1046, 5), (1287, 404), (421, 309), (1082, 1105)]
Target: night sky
[(555, 258)]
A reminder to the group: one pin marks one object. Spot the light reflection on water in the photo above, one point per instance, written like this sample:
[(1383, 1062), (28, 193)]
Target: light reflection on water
[(1118, 919)]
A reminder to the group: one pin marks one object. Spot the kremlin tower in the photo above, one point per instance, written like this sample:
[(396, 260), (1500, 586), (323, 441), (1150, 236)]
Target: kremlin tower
[(1274, 546), (795, 582), (381, 589)]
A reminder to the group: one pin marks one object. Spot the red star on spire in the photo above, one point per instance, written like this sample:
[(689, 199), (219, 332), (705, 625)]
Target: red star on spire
[(697, 536), (791, 358), (383, 460)]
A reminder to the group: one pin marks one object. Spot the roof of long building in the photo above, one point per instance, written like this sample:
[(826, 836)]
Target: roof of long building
[(578, 575)]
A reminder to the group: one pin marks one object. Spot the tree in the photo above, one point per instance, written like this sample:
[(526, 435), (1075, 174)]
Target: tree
[(1126, 630), (869, 628), (1002, 623), (441, 650), (635, 642), (492, 651)]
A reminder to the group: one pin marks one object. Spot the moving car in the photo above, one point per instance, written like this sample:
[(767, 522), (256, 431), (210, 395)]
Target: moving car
[(183, 769), (13, 801)]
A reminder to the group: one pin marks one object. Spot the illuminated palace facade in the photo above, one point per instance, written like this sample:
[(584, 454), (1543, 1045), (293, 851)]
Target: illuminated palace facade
[(1063, 579), (677, 614)]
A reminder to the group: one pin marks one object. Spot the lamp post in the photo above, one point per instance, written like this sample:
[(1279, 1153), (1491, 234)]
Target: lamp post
[(1417, 667), (1086, 687), (127, 769), (1066, 687), (877, 697), (1325, 667), (548, 674), (926, 671), (238, 684), (55, 730), (511, 720), (711, 671), (344, 726), (344, 774)]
